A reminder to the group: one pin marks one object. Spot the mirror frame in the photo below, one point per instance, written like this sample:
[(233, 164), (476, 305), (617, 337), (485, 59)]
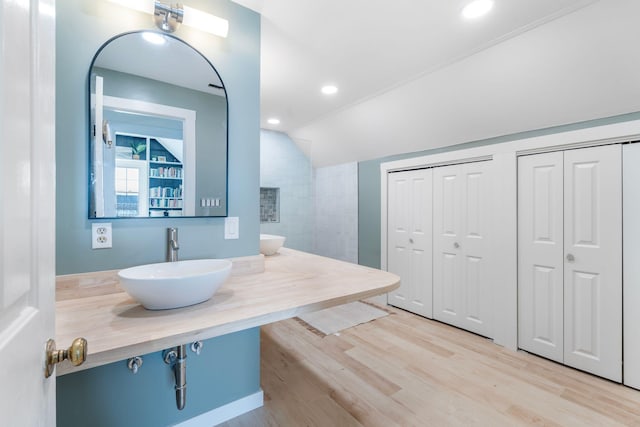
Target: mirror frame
[(91, 130)]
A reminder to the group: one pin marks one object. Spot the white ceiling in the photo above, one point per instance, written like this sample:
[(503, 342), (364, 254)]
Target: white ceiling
[(173, 62), (374, 50)]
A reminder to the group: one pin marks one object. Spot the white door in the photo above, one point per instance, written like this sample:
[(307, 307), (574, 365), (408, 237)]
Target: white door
[(631, 255), (97, 146), (462, 293), (27, 210), (409, 233), (540, 255), (593, 260), (570, 258)]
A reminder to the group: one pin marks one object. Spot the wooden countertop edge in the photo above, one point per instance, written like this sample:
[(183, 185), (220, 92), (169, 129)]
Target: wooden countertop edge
[(103, 358), (202, 332)]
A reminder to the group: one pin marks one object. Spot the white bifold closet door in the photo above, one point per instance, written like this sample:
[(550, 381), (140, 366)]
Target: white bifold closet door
[(570, 258), (409, 239), (462, 293), (541, 254)]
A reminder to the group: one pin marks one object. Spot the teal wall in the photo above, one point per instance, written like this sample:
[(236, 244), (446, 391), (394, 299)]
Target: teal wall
[(369, 182), (111, 395), (82, 27)]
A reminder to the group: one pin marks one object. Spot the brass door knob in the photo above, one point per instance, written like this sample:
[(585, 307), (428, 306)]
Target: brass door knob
[(76, 354)]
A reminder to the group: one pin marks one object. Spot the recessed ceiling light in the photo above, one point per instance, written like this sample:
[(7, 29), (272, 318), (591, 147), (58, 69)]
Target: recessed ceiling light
[(477, 8), (153, 38), (273, 121), (329, 89)]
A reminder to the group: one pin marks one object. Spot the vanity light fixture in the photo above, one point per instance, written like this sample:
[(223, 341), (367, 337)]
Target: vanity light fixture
[(477, 8), (168, 17), (273, 121), (329, 90)]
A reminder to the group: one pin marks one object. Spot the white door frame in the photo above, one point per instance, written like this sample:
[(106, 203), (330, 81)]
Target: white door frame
[(188, 118), (27, 211)]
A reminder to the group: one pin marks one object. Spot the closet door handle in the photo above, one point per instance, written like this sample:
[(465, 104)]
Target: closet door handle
[(456, 245), (570, 258), (410, 240)]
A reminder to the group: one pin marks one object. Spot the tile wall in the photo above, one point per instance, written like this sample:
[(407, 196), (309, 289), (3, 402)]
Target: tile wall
[(336, 212)]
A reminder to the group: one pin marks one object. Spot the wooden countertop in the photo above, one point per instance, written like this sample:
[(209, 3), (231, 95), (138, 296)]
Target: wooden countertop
[(117, 327)]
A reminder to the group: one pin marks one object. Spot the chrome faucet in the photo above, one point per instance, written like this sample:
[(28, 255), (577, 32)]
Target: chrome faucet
[(172, 246)]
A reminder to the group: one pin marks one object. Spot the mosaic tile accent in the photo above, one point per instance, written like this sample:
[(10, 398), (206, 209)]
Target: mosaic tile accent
[(269, 204)]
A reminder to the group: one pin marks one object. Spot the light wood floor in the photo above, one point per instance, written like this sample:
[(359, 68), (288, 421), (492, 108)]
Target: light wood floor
[(409, 371)]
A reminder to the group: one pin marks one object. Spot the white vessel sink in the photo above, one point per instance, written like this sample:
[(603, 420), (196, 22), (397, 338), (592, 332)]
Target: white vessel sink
[(175, 284), (269, 243)]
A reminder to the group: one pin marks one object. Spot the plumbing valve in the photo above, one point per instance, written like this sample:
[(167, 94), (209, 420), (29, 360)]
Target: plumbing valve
[(169, 356), (196, 347), (134, 364)]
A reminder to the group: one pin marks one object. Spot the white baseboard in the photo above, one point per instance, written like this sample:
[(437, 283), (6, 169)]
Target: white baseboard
[(226, 412)]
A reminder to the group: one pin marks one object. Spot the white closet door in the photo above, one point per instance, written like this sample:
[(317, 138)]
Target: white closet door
[(447, 275), (540, 254), (461, 291), (631, 255), (409, 240), (593, 260)]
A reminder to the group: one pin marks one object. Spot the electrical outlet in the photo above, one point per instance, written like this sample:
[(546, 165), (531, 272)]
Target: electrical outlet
[(101, 235)]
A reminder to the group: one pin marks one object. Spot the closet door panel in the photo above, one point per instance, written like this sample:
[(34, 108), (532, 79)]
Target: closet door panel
[(409, 240), (461, 292), (447, 265), (593, 260), (540, 255), (631, 254), (476, 292), (449, 279), (420, 243), (398, 259), (473, 297)]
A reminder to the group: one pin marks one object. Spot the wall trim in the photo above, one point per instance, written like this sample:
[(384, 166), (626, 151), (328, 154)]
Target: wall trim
[(226, 412), (436, 164)]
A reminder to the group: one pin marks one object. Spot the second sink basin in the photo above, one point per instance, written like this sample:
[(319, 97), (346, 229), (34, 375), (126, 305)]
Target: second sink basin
[(175, 284), (270, 243)]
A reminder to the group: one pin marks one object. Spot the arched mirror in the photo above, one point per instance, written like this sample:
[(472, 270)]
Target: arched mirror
[(158, 130)]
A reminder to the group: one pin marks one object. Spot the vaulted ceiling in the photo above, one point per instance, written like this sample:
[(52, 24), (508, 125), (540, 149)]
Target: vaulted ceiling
[(414, 75)]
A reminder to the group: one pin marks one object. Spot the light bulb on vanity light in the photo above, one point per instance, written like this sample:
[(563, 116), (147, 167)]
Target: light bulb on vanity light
[(145, 6), (273, 121), (205, 22)]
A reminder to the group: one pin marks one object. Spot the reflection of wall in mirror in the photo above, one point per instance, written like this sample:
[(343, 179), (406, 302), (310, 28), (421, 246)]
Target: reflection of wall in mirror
[(211, 110)]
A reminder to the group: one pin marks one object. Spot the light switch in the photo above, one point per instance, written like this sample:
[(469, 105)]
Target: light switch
[(232, 227)]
